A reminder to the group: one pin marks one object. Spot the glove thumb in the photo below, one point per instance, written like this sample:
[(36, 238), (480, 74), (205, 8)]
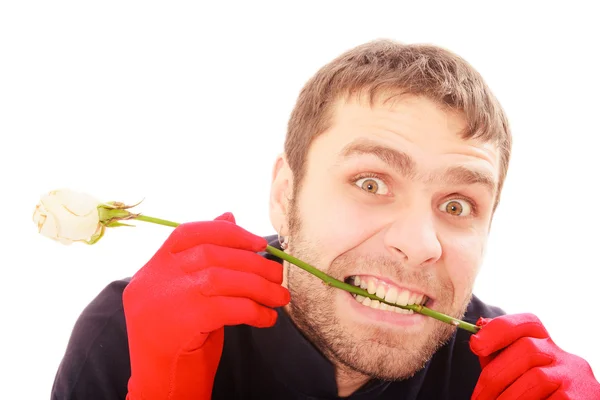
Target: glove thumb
[(484, 360), (226, 217)]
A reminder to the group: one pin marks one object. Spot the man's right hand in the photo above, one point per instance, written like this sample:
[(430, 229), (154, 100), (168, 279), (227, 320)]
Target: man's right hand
[(205, 276)]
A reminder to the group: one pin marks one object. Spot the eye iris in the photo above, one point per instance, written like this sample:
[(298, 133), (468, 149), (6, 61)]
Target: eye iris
[(454, 208), (370, 185)]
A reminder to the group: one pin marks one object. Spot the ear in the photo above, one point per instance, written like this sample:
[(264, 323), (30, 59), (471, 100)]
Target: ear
[(281, 190)]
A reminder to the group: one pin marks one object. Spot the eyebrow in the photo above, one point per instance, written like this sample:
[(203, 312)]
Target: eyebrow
[(396, 159), (459, 175), (403, 163)]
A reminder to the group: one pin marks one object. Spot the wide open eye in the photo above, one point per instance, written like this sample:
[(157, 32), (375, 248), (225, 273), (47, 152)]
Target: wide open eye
[(457, 207), (372, 185)]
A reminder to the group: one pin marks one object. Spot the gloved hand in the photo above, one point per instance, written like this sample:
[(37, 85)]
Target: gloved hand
[(519, 360), (205, 276)]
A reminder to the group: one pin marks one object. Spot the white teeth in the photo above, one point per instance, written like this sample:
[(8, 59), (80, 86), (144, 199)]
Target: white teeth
[(412, 298), (391, 295), (419, 299), (380, 291), (377, 305), (402, 299), (403, 311), (371, 287)]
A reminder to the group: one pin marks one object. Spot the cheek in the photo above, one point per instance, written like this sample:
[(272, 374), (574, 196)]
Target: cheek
[(334, 219), (462, 258)]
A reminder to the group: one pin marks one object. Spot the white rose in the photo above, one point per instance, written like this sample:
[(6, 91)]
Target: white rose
[(68, 216)]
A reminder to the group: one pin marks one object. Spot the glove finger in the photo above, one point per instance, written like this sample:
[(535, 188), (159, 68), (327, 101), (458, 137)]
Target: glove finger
[(510, 364), (215, 281), (504, 330), (220, 232), (532, 385), (232, 311), (198, 257)]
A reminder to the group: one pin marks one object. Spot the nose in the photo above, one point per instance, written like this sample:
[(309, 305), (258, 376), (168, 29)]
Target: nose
[(413, 238)]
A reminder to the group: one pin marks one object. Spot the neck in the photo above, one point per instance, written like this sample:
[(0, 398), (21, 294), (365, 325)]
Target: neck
[(348, 381)]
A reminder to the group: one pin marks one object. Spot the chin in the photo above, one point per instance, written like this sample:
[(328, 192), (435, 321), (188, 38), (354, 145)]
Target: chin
[(373, 341)]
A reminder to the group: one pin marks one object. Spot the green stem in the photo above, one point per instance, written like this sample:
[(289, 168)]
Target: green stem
[(156, 220), (328, 280)]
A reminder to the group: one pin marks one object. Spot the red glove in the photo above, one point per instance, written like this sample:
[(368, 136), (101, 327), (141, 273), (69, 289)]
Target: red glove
[(520, 361), (205, 276)]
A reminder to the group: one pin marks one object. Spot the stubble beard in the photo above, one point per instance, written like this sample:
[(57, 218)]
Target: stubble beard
[(369, 350)]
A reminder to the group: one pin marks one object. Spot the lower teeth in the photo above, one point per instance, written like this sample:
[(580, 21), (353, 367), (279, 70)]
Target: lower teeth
[(376, 304)]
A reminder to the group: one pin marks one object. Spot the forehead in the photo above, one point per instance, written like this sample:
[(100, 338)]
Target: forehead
[(417, 126)]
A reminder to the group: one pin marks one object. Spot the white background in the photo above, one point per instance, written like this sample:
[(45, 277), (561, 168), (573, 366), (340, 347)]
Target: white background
[(186, 106)]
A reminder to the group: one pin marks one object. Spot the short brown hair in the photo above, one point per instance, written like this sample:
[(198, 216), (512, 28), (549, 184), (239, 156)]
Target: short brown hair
[(387, 66)]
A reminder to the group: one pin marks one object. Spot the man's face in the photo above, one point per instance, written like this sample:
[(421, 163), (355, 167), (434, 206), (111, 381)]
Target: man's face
[(393, 200)]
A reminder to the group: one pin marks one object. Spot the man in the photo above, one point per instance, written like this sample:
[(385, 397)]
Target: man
[(394, 163)]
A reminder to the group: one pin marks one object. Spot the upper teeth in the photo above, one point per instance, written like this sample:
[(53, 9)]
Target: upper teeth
[(389, 293)]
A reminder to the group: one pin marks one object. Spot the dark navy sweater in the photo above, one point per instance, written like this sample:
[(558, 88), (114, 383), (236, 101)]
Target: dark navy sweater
[(268, 363)]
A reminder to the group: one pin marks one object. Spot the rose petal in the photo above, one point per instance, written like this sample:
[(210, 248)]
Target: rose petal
[(75, 215), (49, 228)]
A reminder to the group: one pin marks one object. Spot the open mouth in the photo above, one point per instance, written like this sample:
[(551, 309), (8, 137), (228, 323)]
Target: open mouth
[(386, 291)]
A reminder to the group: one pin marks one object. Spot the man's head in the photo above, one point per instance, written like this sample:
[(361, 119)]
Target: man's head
[(394, 162)]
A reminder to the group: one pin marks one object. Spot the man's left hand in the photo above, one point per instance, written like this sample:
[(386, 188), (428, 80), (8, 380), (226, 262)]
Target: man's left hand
[(519, 360)]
